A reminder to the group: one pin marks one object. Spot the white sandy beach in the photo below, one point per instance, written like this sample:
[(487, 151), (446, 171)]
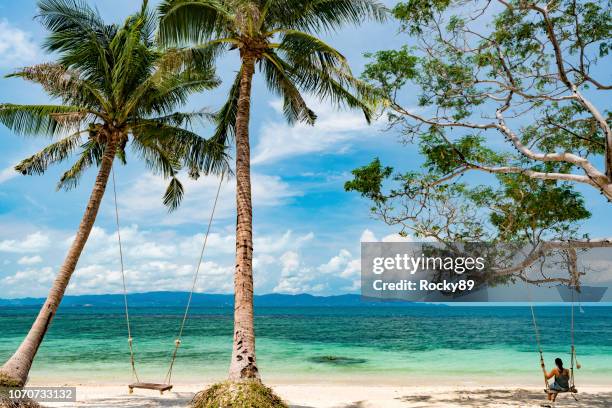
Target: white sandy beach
[(352, 396)]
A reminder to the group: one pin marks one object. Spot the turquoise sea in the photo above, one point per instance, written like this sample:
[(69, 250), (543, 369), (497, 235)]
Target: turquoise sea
[(454, 345)]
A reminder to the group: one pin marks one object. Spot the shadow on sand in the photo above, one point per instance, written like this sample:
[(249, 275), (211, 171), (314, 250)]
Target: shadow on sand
[(493, 398), (510, 398)]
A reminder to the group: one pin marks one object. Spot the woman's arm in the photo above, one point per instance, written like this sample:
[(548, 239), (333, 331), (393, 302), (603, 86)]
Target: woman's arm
[(548, 375)]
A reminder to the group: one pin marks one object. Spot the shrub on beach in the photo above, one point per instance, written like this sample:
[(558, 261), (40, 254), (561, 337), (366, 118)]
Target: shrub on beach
[(243, 394), (7, 381)]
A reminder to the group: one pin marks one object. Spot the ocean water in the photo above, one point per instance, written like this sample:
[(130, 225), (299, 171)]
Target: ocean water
[(449, 345)]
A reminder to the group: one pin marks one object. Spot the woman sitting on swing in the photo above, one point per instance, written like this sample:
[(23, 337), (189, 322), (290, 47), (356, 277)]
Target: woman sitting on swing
[(562, 378)]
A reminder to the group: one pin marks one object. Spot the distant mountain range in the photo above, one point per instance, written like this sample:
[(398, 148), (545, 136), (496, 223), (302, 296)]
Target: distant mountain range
[(205, 300)]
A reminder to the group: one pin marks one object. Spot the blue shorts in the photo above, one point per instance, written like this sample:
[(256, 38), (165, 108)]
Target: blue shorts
[(556, 387)]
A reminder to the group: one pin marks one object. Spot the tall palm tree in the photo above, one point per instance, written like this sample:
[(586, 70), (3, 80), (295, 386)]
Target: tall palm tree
[(278, 36), (115, 88)]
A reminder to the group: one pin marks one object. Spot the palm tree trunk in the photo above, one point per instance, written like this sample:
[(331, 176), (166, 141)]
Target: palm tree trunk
[(243, 364), (15, 370)]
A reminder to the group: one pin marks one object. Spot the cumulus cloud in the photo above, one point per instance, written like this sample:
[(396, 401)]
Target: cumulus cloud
[(161, 258), (367, 236), (157, 259), (332, 132), (31, 243), (290, 261), (296, 277), (16, 45), (275, 243), (27, 282), (336, 262), (141, 200), (341, 271), (30, 260)]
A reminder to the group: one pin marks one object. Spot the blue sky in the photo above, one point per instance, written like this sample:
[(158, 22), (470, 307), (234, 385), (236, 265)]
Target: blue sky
[(307, 229)]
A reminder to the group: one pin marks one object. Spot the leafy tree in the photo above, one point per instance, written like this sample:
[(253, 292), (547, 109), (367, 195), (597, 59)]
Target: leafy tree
[(517, 214), (517, 74), (115, 89), (278, 36)]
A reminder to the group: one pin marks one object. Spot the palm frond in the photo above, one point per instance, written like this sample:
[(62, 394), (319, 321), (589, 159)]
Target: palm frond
[(68, 15), (47, 120), (323, 15), (156, 157), (164, 90), (226, 116), (54, 153), (299, 46), (336, 85), (192, 21), (79, 34), (63, 83), (280, 82), (189, 150), (174, 194), (186, 119), (91, 154)]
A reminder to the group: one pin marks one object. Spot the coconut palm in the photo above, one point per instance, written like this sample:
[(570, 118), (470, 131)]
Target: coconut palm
[(115, 89), (278, 36)]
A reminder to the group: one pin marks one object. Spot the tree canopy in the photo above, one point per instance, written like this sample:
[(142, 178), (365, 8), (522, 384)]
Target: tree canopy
[(113, 83), (518, 73), (281, 36), (510, 88)]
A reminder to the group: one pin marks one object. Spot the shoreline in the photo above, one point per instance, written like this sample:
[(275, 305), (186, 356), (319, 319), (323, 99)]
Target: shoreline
[(350, 396), (527, 380)]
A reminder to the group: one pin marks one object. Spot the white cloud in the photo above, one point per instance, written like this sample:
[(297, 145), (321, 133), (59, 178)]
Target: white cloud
[(16, 45), (367, 236), (335, 263), (332, 130), (398, 238), (275, 243), (352, 269), (154, 259), (30, 260), (142, 200), (290, 261), (303, 280), (32, 243), (29, 282)]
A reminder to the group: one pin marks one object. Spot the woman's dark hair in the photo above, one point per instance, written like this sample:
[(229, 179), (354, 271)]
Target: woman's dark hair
[(559, 364)]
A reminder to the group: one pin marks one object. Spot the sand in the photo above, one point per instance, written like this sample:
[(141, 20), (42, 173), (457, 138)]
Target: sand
[(351, 396)]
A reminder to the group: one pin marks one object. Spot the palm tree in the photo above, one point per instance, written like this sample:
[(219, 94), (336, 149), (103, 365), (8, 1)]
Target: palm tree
[(115, 88), (278, 37)]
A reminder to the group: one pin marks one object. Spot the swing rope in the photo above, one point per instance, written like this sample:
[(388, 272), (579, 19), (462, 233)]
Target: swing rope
[(177, 341), (539, 343), (573, 348), (125, 299)]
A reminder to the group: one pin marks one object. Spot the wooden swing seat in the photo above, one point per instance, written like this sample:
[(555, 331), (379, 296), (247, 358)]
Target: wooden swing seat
[(150, 386), (573, 390)]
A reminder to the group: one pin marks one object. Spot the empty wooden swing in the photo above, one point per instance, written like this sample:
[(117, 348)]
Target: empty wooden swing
[(166, 384)]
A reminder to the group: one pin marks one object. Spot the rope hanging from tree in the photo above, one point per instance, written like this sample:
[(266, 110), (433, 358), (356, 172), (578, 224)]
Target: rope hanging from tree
[(573, 358), (177, 342)]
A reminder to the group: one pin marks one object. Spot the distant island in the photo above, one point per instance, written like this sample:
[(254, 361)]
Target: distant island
[(175, 299)]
